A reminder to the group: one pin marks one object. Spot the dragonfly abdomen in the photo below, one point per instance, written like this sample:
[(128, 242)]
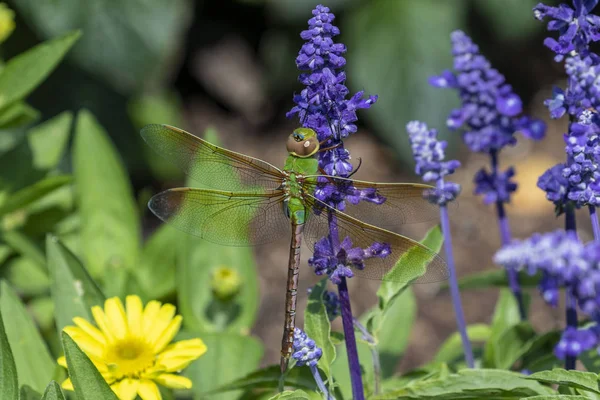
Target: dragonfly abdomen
[(291, 295)]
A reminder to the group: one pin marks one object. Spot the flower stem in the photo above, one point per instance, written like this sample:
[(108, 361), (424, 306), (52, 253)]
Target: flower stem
[(320, 383), (454, 291), (595, 225), (350, 339), (512, 275), (374, 354), (571, 310)]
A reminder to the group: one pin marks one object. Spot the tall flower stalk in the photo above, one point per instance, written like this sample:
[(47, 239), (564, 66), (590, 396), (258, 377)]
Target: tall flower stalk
[(324, 106), (575, 183), (429, 156), (488, 119)]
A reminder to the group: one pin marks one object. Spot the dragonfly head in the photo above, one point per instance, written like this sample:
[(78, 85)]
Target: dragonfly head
[(303, 143)]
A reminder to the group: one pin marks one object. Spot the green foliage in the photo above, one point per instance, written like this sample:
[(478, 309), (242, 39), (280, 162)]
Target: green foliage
[(8, 371), (581, 381), (318, 327), (35, 366), (27, 393), (451, 351), (289, 395), (87, 381), (53, 392), (495, 278)]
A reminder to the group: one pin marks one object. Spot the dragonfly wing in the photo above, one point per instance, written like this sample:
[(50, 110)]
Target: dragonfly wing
[(411, 254), (228, 218), (212, 165), (388, 205)]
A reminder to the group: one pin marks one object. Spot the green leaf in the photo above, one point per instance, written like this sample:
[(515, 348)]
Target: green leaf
[(539, 354), (495, 278), (53, 392), (27, 276), (288, 395), (510, 19), (587, 381), (156, 271), (22, 198), (23, 73), (27, 393), (394, 68), (17, 114), (341, 370), (24, 246), (125, 43), (267, 378), (558, 397), (43, 310), (506, 315), (451, 350), (87, 381), (9, 386), (49, 140), (110, 236), (472, 384), (73, 290), (35, 366), (318, 327), (214, 369)]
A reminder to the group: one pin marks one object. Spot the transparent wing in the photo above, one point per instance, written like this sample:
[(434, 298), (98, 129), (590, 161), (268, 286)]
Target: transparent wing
[(412, 255), (211, 165), (228, 218), (388, 205)]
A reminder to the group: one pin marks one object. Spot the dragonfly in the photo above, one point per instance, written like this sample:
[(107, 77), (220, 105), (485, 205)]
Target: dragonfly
[(248, 201)]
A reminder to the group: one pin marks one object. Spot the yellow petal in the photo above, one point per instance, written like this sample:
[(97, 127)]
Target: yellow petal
[(148, 390), (167, 335), (102, 323), (174, 381), (134, 315), (67, 384), (88, 344), (89, 329), (62, 361), (126, 389), (150, 312), (161, 322), (115, 315), (180, 354)]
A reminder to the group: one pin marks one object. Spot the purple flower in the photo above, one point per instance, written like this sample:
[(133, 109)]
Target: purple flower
[(429, 156), (488, 116), (576, 26), (337, 265), (555, 185), (305, 351), (574, 341), (495, 187)]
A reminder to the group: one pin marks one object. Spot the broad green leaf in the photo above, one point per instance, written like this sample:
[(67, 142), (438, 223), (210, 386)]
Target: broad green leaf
[(289, 395), (162, 108), (472, 384), (35, 366), (27, 276), (510, 19), (214, 369), (318, 327), (506, 315), (53, 392), (341, 370), (558, 397), (587, 381), (9, 386), (43, 311), (87, 381), (23, 73), (495, 278), (24, 246), (389, 290), (118, 45), (398, 70), (268, 378), (109, 219), (539, 352), (394, 331), (48, 140), (73, 290), (591, 360), (510, 345), (156, 270), (451, 350), (17, 114), (27, 393), (24, 197)]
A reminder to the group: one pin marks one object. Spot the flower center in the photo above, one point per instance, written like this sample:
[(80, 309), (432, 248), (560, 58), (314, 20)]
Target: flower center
[(129, 357)]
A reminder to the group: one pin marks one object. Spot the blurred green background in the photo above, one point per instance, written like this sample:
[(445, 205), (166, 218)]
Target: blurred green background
[(230, 65)]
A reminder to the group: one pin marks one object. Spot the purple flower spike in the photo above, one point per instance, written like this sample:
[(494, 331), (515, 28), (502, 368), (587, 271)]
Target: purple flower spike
[(575, 341), (495, 187), (305, 351)]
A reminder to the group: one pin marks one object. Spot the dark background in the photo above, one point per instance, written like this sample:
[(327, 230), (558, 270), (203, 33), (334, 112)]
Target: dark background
[(230, 64)]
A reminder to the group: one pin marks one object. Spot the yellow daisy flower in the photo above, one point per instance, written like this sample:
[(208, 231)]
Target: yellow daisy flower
[(131, 349)]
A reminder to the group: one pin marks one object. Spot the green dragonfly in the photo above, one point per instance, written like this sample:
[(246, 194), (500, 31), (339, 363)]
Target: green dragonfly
[(252, 202)]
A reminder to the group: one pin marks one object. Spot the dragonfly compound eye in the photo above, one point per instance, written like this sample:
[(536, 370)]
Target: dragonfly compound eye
[(304, 148)]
